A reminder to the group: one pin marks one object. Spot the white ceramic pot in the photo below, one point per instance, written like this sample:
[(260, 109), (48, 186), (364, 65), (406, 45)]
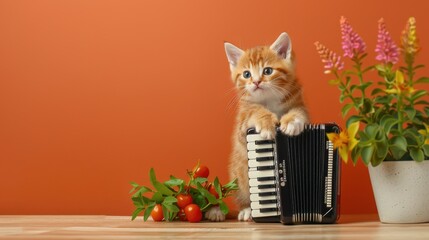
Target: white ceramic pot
[(401, 191)]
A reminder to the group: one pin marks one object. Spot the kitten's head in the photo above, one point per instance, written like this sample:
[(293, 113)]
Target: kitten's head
[(263, 73)]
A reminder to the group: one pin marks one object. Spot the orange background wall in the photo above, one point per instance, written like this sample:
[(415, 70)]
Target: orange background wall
[(94, 93)]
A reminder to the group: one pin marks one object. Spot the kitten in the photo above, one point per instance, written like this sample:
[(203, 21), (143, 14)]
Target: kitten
[(270, 95)]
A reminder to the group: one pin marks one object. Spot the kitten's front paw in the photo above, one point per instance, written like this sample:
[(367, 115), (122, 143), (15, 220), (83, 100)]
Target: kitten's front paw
[(245, 214), (214, 214), (291, 126), (266, 126)]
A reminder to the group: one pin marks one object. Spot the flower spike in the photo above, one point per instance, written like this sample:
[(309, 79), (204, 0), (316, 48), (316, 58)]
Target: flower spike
[(386, 49), (409, 40), (352, 43), (329, 58)]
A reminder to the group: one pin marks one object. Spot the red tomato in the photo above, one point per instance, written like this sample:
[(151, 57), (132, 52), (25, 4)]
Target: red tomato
[(212, 190), (157, 213), (193, 213), (182, 215), (202, 171), (183, 200)]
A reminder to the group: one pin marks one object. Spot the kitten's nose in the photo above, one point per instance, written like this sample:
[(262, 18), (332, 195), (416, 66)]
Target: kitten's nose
[(257, 82)]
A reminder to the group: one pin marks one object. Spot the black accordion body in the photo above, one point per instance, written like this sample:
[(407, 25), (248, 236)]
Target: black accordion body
[(294, 179)]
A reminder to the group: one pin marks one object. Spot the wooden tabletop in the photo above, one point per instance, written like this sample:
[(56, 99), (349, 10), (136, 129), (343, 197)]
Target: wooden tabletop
[(362, 227)]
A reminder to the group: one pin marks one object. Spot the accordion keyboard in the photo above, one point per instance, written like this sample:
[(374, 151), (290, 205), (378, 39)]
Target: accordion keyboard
[(262, 180)]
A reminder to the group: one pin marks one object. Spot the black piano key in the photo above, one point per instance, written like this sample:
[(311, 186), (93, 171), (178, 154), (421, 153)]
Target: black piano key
[(267, 201), (262, 168), (265, 186), (261, 159), (260, 142), (265, 178), (264, 150), (264, 194), (262, 210)]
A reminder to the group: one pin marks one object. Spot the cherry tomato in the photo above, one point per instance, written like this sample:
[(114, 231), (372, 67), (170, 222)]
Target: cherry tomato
[(202, 171), (183, 200), (182, 215), (193, 213), (212, 190), (157, 213)]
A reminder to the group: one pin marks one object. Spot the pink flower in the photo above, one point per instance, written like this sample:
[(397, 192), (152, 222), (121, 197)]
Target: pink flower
[(386, 49), (353, 45), (331, 60)]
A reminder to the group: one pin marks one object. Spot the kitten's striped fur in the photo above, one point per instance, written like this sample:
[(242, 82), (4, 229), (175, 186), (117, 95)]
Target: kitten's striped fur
[(266, 101)]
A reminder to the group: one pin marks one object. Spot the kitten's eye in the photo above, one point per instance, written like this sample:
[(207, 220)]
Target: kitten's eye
[(268, 71), (247, 74)]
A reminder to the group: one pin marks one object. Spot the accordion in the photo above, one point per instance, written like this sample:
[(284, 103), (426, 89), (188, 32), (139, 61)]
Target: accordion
[(294, 179)]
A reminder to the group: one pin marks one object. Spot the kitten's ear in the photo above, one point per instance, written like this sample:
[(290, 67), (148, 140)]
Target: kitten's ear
[(233, 53), (283, 46)]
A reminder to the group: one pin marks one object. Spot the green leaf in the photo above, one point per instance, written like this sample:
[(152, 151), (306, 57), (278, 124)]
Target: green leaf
[(382, 149), (356, 153), (387, 122), (223, 207), (142, 190), (218, 188), (399, 142), (174, 182), (411, 112), (422, 80), (148, 211), (353, 119), (367, 106), (418, 94), (136, 213), (346, 109), (426, 149), (371, 130), (169, 200), (367, 153), (152, 176), (364, 86), (199, 180), (157, 197), (417, 154), (171, 207), (206, 194), (199, 199), (376, 91), (134, 184), (163, 189), (423, 102)]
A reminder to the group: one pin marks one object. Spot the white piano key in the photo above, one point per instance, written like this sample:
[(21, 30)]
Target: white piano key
[(254, 182), (257, 213), (257, 205), (254, 197), (265, 173), (253, 155), (257, 190), (254, 137), (254, 163), (253, 146)]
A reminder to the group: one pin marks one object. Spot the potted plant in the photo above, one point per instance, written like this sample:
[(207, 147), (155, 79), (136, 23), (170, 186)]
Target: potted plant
[(386, 111)]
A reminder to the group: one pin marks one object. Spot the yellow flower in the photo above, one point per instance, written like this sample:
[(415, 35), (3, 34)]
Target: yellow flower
[(345, 141), (400, 85), (425, 133)]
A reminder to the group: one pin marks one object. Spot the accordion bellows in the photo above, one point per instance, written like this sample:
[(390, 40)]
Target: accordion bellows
[(294, 179)]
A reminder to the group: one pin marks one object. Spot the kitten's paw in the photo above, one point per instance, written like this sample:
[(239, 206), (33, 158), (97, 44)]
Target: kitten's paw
[(214, 214), (291, 127), (266, 126), (245, 214)]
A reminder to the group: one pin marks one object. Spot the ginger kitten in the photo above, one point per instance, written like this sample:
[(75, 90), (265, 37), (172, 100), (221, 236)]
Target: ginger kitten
[(270, 96)]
